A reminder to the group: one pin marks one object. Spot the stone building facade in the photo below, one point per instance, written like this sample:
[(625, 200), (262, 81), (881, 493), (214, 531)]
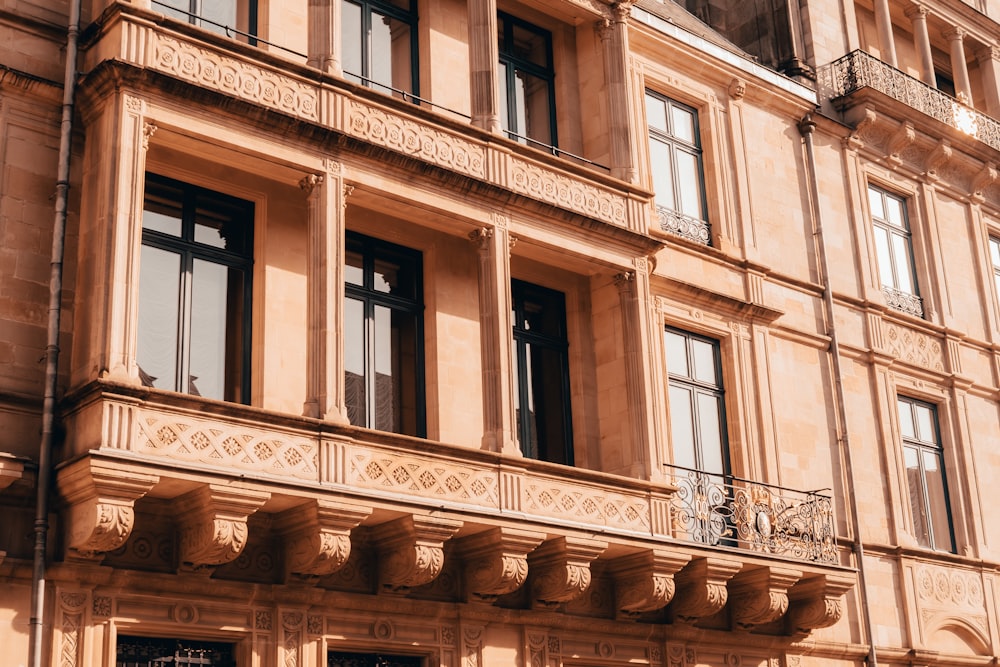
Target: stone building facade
[(487, 333)]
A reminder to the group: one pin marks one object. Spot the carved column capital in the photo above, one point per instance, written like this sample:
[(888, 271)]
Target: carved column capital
[(760, 596), (318, 537), (701, 588), (496, 561), (213, 523), (916, 11), (817, 602), (101, 500), (954, 34), (482, 238), (148, 130), (645, 581), (310, 182), (561, 569), (411, 550)]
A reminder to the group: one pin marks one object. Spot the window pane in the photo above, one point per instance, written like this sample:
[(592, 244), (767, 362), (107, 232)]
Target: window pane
[(221, 12), (710, 432), (395, 276), (159, 303), (663, 179), (689, 184), (937, 501), (875, 202), (354, 271), (656, 113), (676, 354), (925, 424), (352, 32), (385, 383), (682, 427), (914, 483), (894, 212), (901, 253), (162, 219), (548, 403), (683, 122), (995, 252), (390, 53), (209, 330), (527, 432), (906, 419), (221, 223), (354, 362), (529, 45), (884, 257), (169, 7), (532, 94), (704, 361), (503, 94)]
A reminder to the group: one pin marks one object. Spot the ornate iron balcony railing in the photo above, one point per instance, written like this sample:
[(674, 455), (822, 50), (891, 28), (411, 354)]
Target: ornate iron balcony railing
[(675, 222), (859, 69), (722, 510)]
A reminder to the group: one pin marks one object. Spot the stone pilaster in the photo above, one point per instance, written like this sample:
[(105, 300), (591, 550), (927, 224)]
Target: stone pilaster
[(324, 41), (484, 59), (614, 36)]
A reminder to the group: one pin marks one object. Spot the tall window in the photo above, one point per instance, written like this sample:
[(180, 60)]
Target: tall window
[(542, 373), (383, 336), (156, 652), (995, 260), (221, 16), (925, 478), (380, 44), (697, 414), (894, 246), (194, 291), (675, 160), (527, 93)]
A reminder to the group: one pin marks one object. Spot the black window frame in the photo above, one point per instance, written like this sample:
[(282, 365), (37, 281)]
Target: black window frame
[(172, 652), (677, 143), (513, 63), (371, 249), (409, 17), (557, 342), (190, 250)]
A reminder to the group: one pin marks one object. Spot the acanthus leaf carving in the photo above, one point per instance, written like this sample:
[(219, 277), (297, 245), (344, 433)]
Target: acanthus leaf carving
[(318, 536), (760, 596), (561, 569), (644, 581), (817, 602), (701, 588), (496, 561), (213, 524), (411, 550)]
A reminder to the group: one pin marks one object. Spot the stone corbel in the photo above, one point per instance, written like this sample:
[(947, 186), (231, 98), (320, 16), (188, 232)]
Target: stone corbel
[(411, 550), (937, 159), (817, 602), (986, 177), (496, 561), (213, 524), (561, 569), (318, 537), (11, 470), (760, 596), (100, 501), (644, 581), (898, 141), (868, 120), (701, 588)]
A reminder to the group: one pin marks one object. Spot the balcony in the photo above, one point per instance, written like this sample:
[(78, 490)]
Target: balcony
[(858, 70)]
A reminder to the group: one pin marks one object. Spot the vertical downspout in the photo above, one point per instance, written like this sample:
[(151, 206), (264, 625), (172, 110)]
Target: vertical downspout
[(806, 128), (36, 624)]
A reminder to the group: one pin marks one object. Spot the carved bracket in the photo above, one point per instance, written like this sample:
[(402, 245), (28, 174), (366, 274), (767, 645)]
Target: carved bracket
[(760, 596), (318, 537), (645, 581), (817, 602), (986, 176), (411, 550), (701, 588), (937, 159), (213, 524), (898, 141), (496, 561), (101, 503), (561, 569)]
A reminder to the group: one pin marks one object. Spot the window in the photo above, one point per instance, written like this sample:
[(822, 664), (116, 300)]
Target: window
[(194, 291), (697, 408), (155, 652), (894, 247), (675, 161), (383, 336), (995, 260), (925, 478), (380, 44), (542, 373), (527, 94), (338, 659), (218, 16)]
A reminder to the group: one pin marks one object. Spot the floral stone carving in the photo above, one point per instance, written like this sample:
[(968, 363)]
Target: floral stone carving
[(411, 550), (213, 524), (701, 588), (760, 596), (817, 602), (561, 569), (496, 561), (645, 581), (318, 536)]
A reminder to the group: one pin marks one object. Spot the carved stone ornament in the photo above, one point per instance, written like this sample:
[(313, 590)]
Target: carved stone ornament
[(644, 581), (411, 550), (496, 561), (213, 524), (561, 569), (701, 588), (899, 140), (817, 602), (318, 536), (737, 88), (937, 159), (11, 470), (101, 500), (982, 180), (760, 596)]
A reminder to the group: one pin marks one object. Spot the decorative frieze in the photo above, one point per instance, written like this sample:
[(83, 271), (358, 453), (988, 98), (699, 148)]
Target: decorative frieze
[(913, 347), (574, 194)]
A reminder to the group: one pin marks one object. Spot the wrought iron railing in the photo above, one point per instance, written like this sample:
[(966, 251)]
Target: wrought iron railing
[(910, 304), (722, 510), (678, 224), (859, 69)]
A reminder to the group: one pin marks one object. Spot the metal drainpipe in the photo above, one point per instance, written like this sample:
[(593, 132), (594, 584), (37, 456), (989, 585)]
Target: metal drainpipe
[(37, 626), (806, 128)]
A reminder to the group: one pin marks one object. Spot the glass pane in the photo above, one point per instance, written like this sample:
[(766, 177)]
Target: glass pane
[(159, 303), (901, 253), (875, 202), (222, 226), (914, 482), (354, 362), (169, 7), (529, 46), (884, 257), (689, 184), (162, 220), (995, 252), (210, 329), (390, 53), (676, 354), (352, 34), (221, 12), (532, 98), (906, 419), (937, 501), (704, 362), (710, 430), (894, 211), (656, 113), (548, 403), (925, 424), (682, 427), (663, 178), (395, 276), (405, 362), (385, 388), (354, 270), (683, 121), (503, 92)]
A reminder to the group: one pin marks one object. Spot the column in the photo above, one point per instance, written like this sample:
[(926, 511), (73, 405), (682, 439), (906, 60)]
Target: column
[(959, 69), (496, 336), (484, 59), (614, 37), (325, 287), (883, 24), (324, 41), (989, 66), (922, 43)]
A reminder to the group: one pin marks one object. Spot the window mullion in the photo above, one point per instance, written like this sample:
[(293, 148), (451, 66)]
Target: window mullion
[(182, 382)]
